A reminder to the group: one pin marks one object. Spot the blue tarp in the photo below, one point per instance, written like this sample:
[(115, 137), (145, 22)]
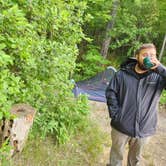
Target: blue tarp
[(95, 87)]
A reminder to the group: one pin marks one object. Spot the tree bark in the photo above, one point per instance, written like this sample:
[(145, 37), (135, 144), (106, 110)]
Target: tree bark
[(107, 38), (163, 47), (17, 129)]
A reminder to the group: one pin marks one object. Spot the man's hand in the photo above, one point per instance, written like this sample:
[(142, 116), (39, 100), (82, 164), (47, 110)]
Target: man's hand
[(156, 62)]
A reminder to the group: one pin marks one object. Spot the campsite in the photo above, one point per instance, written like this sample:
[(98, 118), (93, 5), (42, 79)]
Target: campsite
[(73, 71)]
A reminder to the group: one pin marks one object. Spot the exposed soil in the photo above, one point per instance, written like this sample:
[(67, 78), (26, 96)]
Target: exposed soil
[(154, 155)]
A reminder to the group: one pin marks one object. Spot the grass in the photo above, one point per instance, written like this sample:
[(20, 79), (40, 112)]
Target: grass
[(163, 98), (83, 149)]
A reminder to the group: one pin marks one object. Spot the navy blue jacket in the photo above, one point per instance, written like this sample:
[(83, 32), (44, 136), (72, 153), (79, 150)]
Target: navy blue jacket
[(132, 100)]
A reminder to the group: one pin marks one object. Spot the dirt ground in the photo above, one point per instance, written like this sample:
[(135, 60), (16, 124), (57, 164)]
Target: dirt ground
[(154, 155)]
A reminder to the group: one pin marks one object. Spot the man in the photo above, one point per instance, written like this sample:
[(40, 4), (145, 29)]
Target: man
[(132, 98)]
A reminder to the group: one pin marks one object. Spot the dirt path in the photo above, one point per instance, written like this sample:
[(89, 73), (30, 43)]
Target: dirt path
[(155, 154)]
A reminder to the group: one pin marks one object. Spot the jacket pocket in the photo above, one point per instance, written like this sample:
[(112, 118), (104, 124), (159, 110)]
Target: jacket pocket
[(152, 80), (117, 116)]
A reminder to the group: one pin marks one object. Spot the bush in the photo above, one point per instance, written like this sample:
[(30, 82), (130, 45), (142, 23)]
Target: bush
[(38, 51), (91, 63), (163, 97)]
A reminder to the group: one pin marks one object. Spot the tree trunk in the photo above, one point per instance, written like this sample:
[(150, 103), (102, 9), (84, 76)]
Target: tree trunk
[(162, 49), (17, 129), (107, 38)]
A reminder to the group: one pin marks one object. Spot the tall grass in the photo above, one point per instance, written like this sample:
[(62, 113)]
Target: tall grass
[(83, 149)]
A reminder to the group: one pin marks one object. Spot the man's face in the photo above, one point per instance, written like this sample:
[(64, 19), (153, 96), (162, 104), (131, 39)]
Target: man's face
[(151, 52)]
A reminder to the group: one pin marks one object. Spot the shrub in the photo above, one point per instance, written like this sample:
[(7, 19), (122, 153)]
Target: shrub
[(91, 63), (38, 48)]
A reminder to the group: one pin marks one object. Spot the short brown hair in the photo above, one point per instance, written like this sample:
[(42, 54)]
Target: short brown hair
[(144, 46)]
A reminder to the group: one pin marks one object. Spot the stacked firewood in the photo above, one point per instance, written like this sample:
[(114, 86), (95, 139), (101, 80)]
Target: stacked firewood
[(16, 130)]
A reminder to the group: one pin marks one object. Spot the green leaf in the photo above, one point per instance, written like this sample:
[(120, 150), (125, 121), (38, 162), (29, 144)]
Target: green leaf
[(1, 115)]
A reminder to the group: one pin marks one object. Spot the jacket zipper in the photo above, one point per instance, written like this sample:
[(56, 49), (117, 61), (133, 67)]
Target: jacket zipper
[(137, 118)]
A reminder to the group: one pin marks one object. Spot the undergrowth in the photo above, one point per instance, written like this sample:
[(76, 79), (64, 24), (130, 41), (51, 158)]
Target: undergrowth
[(83, 149)]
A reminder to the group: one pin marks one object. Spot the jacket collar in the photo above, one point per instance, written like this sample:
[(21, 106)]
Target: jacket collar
[(129, 67)]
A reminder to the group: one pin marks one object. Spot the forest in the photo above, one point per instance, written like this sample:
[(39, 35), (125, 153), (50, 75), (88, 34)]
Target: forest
[(44, 44)]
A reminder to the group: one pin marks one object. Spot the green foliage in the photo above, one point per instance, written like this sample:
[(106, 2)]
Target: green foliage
[(91, 63), (163, 97), (161, 24), (134, 25), (98, 13), (37, 54), (116, 61), (5, 154), (136, 22), (164, 59), (62, 124), (85, 148)]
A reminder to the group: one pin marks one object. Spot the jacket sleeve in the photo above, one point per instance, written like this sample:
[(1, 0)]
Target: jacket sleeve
[(112, 96), (161, 70)]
